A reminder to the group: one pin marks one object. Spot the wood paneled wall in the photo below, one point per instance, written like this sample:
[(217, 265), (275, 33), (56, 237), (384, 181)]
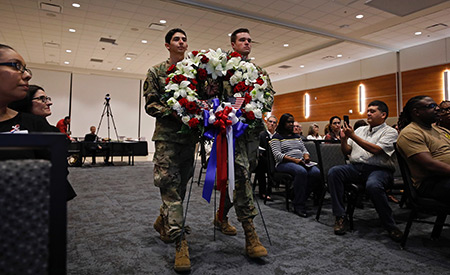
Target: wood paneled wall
[(338, 99), (426, 81)]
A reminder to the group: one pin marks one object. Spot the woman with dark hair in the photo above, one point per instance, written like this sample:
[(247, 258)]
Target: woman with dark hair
[(334, 129), (36, 102), (14, 77), (292, 157)]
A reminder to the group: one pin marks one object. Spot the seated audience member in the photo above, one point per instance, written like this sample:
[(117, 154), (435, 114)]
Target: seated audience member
[(334, 128), (292, 157), (92, 146), (298, 130), (35, 102), (326, 130), (261, 169), (426, 148), (62, 126), (359, 123), (313, 132), (370, 149), (444, 115), (14, 77)]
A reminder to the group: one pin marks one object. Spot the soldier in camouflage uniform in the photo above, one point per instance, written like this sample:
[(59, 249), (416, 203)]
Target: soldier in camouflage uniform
[(174, 152), (246, 154)]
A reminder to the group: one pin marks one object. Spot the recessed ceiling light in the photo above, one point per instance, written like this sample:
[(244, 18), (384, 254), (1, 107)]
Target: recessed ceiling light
[(418, 33), (229, 34), (72, 30), (302, 66), (128, 58), (76, 5), (66, 62), (162, 21), (68, 51), (252, 58), (144, 41), (286, 45), (339, 55), (359, 16), (119, 68)]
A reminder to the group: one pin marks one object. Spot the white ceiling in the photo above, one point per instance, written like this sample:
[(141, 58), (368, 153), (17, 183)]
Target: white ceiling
[(316, 31)]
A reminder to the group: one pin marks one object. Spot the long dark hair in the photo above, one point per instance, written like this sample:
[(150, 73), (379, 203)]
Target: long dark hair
[(405, 117), (282, 123), (24, 105)]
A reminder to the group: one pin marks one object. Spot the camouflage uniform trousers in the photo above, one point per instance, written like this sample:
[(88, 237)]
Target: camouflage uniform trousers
[(245, 157), (172, 171)]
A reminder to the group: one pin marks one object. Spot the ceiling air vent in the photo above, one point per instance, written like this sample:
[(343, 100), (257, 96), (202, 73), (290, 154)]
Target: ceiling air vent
[(285, 67), (402, 7), (97, 60), (50, 7), (51, 45), (157, 26), (108, 40), (328, 57), (437, 27)]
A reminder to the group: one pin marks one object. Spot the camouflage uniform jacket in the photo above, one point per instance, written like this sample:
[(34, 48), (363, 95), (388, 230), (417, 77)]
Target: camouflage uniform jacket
[(167, 126)]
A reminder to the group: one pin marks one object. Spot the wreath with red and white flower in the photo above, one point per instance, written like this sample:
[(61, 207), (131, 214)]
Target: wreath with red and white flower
[(238, 78)]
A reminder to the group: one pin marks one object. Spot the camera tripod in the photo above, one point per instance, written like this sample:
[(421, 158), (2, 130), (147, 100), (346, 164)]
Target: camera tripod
[(107, 110)]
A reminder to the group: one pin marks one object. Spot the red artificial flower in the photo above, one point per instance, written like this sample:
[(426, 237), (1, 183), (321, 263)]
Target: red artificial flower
[(235, 54), (192, 87), (171, 69), (259, 81), (204, 59), (195, 53), (191, 107), (193, 122), (167, 80), (183, 101), (240, 87), (247, 98), (250, 115), (202, 74), (229, 74), (179, 78), (194, 82)]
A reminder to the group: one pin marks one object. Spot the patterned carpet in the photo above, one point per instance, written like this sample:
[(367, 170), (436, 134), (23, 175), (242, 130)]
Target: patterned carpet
[(110, 231)]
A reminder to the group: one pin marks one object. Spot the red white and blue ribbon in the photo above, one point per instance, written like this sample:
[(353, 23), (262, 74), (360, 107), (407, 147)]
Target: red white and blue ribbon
[(224, 126)]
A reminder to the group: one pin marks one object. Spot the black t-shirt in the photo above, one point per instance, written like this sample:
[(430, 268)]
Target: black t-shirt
[(31, 123), (90, 137)]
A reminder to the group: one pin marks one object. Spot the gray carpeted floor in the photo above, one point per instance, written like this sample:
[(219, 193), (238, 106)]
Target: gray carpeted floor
[(110, 231)]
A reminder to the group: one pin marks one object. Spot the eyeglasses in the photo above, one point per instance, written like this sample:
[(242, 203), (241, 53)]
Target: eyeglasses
[(429, 106), (43, 98), (18, 66), (272, 121), (445, 110)]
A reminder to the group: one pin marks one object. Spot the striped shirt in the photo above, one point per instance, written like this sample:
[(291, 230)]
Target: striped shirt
[(291, 146)]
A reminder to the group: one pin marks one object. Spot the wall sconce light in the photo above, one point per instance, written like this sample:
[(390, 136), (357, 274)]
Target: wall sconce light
[(362, 98), (306, 107), (446, 85)]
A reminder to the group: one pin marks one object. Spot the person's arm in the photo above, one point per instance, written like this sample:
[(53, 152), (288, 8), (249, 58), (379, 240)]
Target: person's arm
[(368, 146), (426, 161), (153, 105)]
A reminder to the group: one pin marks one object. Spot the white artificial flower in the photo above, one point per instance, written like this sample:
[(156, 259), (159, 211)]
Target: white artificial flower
[(185, 119), (233, 63), (177, 107), (236, 78), (171, 101), (237, 95), (258, 113)]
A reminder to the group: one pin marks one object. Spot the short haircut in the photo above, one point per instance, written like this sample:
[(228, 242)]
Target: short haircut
[(170, 34), (234, 34), (381, 106), (67, 117), (24, 105), (276, 119), (3, 46)]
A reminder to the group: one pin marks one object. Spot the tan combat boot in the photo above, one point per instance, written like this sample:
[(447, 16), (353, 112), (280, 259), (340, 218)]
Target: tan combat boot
[(224, 226), (161, 228), (182, 261), (253, 246)]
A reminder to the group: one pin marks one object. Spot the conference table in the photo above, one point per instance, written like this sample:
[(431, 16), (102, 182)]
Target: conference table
[(79, 150)]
